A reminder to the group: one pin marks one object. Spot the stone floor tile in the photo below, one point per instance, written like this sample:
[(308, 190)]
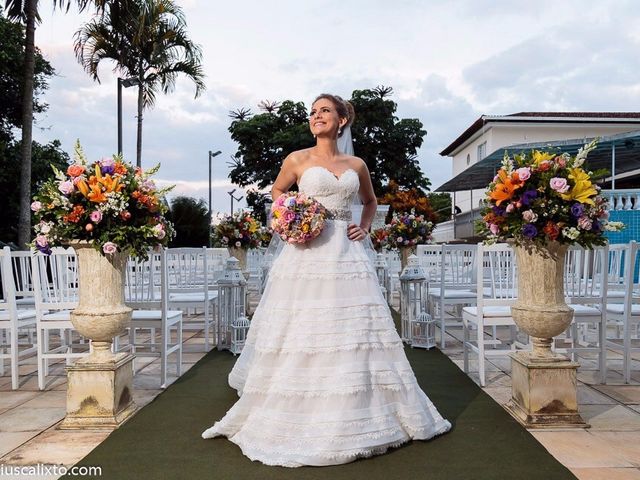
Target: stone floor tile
[(581, 449), (12, 440), (588, 395), (615, 418), (56, 447), (14, 398), (500, 394), (626, 444), (606, 473), (22, 418), (51, 398), (622, 393)]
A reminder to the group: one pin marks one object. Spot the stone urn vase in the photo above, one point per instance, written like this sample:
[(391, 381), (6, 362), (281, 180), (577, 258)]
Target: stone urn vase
[(405, 253), (541, 310), (543, 383), (99, 389), (101, 313), (241, 254)]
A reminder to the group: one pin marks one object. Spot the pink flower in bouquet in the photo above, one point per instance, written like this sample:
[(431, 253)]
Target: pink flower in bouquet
[(585, 223), (400, 239), (158, 230), (494, 228), (559, 184), (96, 216), (75, 170), (41, 241), (238, 244), (524, 173), (45, 227), (529, 216), (109, 248), (66, 188), (560, 161), (289, 216), (510, 208), (36, 206)]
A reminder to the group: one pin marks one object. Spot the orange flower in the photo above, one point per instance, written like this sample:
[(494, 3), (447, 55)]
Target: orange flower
[(120, 169), (83, 187), (74, 215), (111, 184), (75, 170), (504, 189), (552, 230), (96, 195)]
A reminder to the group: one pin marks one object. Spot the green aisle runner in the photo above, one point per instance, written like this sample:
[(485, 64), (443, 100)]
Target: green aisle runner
[(163, 440)]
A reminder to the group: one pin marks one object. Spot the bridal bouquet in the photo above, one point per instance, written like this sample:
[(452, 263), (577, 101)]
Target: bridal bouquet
[(538, 197), (108, 202), (407, 229), (297, 217), (240, 230)]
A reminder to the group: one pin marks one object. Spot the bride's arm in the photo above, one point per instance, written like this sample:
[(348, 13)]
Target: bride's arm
[(286, 177), (368, 197)]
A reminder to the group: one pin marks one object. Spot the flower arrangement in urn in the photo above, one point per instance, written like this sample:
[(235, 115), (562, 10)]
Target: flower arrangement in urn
[(239, 230), (379, 238), (109, 203), (407, 229), (540, 197)]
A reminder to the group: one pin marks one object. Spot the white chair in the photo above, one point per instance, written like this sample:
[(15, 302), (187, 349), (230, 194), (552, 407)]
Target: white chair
[(493, 306), (191, 287), (430, 258), (13, 321), (585, 287), (23, 281), (627, 314), (55, 282), (453, 286), (149, 300)]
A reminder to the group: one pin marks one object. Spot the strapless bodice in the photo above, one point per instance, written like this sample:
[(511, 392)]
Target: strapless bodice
[(335, 193)]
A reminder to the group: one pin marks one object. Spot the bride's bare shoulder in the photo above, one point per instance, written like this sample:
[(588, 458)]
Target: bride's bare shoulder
[(356, 163)]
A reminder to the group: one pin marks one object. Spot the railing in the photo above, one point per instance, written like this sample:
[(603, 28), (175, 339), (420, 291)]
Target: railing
[(465, 223), (625, 199)]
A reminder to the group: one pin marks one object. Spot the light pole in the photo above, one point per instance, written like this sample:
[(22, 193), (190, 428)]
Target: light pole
[(234, 198), (126, 83), (211, 155)]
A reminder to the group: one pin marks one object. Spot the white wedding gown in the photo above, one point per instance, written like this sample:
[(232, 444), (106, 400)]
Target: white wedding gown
[(323, 378)]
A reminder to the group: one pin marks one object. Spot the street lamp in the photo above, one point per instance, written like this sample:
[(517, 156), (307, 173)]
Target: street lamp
[(234, 198), (211, 155), (126, 83)]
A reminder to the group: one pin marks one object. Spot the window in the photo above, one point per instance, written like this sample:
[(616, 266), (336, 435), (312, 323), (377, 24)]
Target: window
[(482, 151), (468, 158)]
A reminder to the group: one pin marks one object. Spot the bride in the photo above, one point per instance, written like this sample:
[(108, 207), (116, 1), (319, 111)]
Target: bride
[(323, 378)]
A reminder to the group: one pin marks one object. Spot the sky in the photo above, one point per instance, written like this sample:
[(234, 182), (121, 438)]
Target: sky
[(448, 61)]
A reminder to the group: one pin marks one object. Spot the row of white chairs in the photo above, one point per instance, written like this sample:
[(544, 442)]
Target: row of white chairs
[(39, 291), (601, 285)]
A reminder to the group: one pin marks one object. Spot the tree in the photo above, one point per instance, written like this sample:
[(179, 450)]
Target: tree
[(388, 145), (43, 156), (148, 41), (257, 201), (405, 200), (26, 11), (190, 219)]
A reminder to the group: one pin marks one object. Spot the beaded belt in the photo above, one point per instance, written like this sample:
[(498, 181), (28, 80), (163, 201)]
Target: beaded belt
[(335, 214)]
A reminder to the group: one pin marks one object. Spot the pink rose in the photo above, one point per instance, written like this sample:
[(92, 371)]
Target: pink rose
[(36, 206), (561, 162), (66, 188), (238, 244), (524, 173), (159, 231), (585, 223), (494, 228), (289, 216), (96, 216), (42, 241), (109, 248), (529, 216), (559, 184), (400, 239), (510, 208)]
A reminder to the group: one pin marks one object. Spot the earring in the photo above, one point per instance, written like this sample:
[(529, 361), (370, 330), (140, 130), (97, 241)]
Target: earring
[(339, 131), (314, 135)]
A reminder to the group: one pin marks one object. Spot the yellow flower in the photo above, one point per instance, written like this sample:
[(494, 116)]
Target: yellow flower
[(539, 157), (582, 189)]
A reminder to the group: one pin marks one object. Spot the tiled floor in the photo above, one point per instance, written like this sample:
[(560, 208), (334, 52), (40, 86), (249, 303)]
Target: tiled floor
[(609, 450)]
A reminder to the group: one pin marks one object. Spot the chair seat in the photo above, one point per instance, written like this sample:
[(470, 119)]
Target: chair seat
[(619, 308), (585, 310), (492, 311), (142, 315), (453, 293), (502, 292), (193, 297), (59, 315), (21, 314), (25, 301)]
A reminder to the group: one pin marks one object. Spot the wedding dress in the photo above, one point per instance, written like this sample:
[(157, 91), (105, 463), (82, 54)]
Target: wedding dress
[(323, 378)]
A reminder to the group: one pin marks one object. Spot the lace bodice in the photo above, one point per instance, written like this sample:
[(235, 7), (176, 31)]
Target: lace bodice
[(335, 193)]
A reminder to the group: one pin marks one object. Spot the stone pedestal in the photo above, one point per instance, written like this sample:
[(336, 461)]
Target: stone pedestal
[(99, 395), (543, 392)]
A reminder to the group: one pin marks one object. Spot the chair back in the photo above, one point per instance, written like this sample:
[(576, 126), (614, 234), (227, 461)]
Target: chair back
[(8, 299), (187, 270), (586, 274), (55, 279), (145, 286), (430, 259), (458, 267)]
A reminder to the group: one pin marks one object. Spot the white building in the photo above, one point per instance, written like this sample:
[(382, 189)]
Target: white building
[(490, 133)]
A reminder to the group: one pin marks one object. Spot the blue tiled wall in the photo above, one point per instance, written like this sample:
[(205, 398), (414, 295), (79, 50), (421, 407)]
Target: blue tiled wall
[(631, 219)]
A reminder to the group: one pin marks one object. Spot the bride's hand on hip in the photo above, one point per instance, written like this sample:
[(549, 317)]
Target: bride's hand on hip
[(354, 232)]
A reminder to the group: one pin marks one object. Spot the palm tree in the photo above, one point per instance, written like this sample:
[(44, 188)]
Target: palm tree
[(148, 41), (26, 11)]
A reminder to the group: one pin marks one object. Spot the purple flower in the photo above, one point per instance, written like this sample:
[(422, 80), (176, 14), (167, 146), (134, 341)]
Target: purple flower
[(529, 230), (42, 244), (524, 173), (528, 197), (107, 166), (498, 210), (577, 210), (596, 227)]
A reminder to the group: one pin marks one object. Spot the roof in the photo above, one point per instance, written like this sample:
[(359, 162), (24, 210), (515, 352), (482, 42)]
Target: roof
[(480, 174), (542, 117)]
